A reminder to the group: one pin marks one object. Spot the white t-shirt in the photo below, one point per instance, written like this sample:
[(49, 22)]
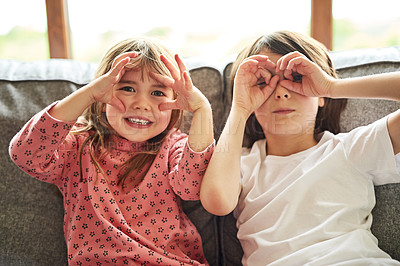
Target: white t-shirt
[(314, 207)]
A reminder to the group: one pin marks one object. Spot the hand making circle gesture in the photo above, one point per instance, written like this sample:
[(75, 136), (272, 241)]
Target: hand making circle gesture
[(254, 83), (303, 76)]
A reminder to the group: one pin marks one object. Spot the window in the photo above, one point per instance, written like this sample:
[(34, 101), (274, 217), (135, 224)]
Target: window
[(365, 24), (215, 29)]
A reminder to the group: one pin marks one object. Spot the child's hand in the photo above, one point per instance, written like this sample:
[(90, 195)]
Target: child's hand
[(303, 76), (101, 88), (253, 83), (188, 97)]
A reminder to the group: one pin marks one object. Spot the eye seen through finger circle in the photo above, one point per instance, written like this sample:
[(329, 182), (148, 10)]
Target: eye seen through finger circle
[(297, 77), (261, 83)]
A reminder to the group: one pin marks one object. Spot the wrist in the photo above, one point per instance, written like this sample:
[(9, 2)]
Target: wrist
[(240, 112), (203, 107)]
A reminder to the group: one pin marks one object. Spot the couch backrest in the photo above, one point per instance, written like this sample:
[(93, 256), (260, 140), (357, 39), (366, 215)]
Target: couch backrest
[(31, 212)]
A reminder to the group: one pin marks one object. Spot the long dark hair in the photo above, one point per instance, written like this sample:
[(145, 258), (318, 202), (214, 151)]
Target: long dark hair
[(284, 42)]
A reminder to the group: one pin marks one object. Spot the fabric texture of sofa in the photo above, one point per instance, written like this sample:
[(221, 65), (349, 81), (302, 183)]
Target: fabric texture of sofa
[(31, 212)]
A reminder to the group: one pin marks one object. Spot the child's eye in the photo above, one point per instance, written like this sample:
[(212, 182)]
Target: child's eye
[(261, 83), (158, 93), (297, 77), (128, 89)]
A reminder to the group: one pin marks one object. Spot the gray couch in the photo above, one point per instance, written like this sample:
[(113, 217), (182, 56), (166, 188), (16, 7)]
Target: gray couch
[(31, 212)]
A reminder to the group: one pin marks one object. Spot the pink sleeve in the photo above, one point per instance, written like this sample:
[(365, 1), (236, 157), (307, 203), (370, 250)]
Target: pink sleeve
[(36, 147), (187, 168)]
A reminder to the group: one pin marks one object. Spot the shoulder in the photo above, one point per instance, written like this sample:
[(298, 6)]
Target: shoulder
[(367, 133), (258, 148), (252, 156)]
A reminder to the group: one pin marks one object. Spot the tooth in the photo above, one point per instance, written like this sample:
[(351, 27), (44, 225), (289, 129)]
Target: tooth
[(138, 121)]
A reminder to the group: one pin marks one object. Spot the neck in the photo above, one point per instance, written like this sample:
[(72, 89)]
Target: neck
[(285, 145)]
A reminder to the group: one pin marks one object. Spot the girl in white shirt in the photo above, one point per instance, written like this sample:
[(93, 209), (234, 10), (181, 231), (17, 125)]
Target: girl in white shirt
[(302, 193)]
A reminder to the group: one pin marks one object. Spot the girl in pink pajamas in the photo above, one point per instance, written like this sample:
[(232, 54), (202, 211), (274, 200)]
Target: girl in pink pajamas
[(114, 151)]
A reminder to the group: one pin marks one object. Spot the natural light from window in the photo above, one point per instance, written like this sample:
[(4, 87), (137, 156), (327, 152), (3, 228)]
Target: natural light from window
[(215, 29)]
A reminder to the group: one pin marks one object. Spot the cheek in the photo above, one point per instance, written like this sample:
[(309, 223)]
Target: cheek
[(313, 105), (112, 115), (165, 117)]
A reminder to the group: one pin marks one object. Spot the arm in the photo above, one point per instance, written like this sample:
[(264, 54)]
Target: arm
[(40, 147), (221, 187), (317, 83), (186, 167), (72, 106)]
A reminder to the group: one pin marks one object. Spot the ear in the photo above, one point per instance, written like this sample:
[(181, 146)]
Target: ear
[(321, 102)]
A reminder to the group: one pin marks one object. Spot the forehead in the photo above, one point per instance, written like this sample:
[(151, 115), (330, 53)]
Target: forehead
[(272, 56), (139, 75)]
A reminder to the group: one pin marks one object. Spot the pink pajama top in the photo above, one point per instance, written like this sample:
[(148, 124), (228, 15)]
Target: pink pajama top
[(104, 223)]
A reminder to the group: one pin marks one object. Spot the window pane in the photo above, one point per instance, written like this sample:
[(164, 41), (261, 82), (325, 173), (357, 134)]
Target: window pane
[(365, 24), (23, 30), (208, 28)]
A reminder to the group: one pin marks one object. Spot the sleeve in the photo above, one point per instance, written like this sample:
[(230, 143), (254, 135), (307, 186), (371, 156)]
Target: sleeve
[(371, 151), (187, 167), (36, 147)]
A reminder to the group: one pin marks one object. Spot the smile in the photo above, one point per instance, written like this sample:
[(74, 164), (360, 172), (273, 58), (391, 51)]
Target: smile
[(139, 121)]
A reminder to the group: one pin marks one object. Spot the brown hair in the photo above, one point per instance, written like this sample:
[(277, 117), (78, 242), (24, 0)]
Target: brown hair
[(94, 120), (284, 42)]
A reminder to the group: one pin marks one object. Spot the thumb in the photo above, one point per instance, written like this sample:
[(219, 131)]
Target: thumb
[(115, 102), (267, 90)]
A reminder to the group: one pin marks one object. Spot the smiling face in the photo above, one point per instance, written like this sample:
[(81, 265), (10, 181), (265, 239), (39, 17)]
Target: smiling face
[(286, 112), (141, 96)]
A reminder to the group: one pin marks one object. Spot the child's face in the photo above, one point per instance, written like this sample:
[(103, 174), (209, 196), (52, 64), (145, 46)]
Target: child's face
[(286, 112), (141, 96)]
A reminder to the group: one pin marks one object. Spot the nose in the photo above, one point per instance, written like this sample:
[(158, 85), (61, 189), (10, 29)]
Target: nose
[(281, 93), (141, 102)]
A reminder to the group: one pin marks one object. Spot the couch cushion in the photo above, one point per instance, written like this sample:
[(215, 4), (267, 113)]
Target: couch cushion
[(31, 212)]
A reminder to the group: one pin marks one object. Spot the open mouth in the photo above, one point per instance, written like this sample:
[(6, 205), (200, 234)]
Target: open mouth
[(138, 121)]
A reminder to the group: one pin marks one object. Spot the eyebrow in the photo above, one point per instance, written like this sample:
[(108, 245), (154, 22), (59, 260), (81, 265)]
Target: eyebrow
[(158, 85)]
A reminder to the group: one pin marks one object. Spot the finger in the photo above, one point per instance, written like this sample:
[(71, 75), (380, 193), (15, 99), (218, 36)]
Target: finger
[(187, 79), (167, 81), (171, 67), (287, 73), (116, 69), (123, 56), (274, 82), (248, 65), (267, 90), (295, 64), (115, 102), (168, 106), (268, 64), (291, 85), (258, 57), (263, 73), (180, 63), (282, 62)]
